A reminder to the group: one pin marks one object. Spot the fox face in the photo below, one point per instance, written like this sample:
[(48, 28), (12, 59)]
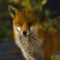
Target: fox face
[(24, 21), (24, 26)]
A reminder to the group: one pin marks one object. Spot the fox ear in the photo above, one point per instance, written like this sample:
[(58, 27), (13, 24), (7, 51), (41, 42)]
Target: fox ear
[(12, 10)]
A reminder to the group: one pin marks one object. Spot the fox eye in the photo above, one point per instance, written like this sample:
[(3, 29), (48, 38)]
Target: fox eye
[(19, 23), (31, 23)]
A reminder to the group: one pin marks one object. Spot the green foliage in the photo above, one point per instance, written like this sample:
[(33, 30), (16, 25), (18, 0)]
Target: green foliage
[(44, 2), (55, 58), (23, 4)]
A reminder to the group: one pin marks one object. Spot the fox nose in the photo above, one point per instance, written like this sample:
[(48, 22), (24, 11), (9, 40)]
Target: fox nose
[(24, 32)]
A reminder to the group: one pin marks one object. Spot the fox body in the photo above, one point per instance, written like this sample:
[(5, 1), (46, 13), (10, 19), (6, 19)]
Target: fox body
[(29, 35)]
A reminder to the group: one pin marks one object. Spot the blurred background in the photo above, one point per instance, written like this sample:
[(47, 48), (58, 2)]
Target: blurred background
[(46, 10)]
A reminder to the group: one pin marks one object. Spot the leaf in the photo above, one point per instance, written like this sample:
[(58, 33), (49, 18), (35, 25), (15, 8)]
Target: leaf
[(16, 1), (44, 2), (23, 4)]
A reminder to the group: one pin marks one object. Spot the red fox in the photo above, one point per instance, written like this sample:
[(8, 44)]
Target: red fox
[(30, 37)]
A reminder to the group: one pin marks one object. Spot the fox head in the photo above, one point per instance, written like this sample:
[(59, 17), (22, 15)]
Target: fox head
[(24, 21)]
